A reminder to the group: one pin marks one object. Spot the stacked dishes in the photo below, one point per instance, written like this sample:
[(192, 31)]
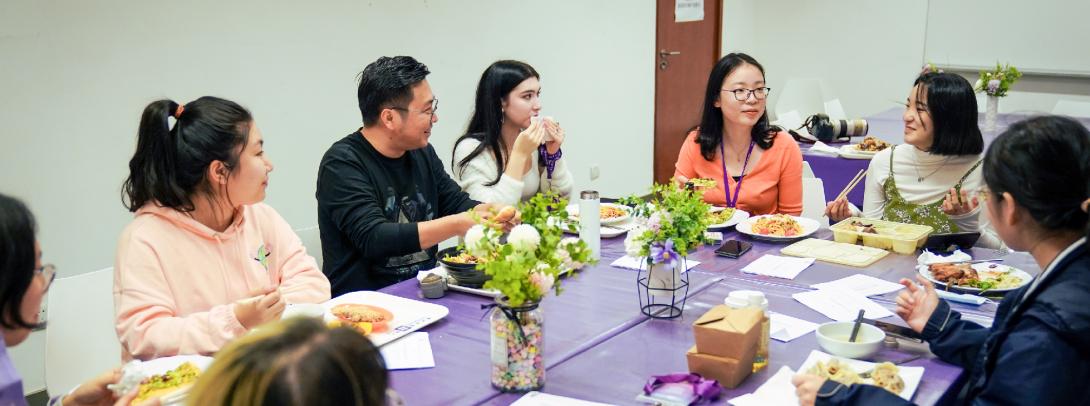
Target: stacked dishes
[(463, 268)]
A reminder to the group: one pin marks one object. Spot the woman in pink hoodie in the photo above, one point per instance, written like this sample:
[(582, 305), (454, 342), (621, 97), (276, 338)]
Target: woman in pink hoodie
[(204, 260)]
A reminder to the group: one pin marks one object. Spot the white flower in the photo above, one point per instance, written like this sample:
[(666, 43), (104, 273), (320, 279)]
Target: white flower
[(542, 281), (633, 244), (524, 237), (473, 239)]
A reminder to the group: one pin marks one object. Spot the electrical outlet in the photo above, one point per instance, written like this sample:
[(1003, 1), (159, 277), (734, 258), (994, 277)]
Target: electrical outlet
[(594, 172)]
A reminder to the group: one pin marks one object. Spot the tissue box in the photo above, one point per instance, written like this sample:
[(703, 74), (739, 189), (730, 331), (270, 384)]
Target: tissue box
[(728, 371), (731, 337)]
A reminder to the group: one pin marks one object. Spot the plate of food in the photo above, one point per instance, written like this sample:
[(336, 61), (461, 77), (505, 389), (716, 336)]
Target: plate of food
[(865, 149), (976, 278), (458, 260), (167, 378), (610, 213), (723, 217), (777, 227), (703, 183), (899, 380), (380, 316)]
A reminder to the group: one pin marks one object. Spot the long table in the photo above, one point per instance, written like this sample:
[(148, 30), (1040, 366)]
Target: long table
[(598, 346)]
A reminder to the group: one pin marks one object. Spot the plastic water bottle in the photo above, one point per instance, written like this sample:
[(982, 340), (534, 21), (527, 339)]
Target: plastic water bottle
[(741, 299), (590, 229)]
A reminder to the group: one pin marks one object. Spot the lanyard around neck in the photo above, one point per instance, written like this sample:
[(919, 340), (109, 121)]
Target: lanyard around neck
[(726, 178)]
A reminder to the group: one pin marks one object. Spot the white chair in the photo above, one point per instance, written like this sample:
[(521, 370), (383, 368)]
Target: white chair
[(80, 340), (312, 240), (807, 171), (813, 200), (1072, 108), (801, 95)]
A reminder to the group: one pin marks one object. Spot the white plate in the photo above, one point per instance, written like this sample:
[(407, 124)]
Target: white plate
[(981, 267), (911, 375), (409, 315), (850, 152), (442, 272), (738, 217), (808, 227), (162, 365), (573, 209)]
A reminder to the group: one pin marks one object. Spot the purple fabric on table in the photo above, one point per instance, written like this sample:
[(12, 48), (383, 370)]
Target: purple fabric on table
[(595, 329), (658, 346), (598, 302)]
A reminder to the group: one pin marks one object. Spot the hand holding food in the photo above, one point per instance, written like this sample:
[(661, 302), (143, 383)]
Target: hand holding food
[(95, 392), (505, 218), (806, 388), (554, 135), (529, 139)]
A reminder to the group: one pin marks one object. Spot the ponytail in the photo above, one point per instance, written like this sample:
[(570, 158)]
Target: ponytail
[(169, 165)]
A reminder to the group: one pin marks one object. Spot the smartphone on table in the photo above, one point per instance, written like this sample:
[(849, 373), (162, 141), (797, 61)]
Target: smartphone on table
[(733, 248)]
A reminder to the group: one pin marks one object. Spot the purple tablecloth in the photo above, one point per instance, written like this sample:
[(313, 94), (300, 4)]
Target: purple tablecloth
[(615, 371), (600, 347), (888, 126), (596, 304)]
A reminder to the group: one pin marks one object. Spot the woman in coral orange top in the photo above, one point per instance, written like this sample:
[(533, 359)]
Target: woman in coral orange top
[(762, 172)]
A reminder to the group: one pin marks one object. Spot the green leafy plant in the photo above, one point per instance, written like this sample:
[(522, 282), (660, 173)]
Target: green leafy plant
[(997, 82), (535, 254), (670, 225)]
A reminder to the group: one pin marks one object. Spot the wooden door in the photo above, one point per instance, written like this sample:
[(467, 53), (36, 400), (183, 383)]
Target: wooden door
[(689, 50)]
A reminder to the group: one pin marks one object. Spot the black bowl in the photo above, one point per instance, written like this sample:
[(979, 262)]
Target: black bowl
[(454, 266)]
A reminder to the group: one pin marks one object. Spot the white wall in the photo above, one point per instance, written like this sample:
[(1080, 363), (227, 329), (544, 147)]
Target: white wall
[(867, 52), (75, 76)]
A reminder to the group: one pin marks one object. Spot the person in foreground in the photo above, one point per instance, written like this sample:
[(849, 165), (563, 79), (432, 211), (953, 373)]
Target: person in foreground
[(756, 166), (384, 200), (203, 261), (24, 282), (507, 154), (296, 362), (1037, 351)]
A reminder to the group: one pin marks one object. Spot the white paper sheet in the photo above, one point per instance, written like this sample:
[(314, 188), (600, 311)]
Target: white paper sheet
[(633, 263), (777, 266), (688, 10), (841, 305), (412, 351), (862, 284), (544, 399), (776, 391), (785, 328)]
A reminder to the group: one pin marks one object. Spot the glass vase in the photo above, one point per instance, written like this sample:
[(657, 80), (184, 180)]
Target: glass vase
[(518, 341)]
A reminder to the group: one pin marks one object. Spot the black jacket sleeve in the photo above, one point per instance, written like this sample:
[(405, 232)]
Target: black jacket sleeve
[(952, 339), (355, 207)]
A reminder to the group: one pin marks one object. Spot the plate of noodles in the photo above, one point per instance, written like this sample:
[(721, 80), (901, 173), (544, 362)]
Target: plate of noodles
[(899, 380), (610, 213), (723, 217), (976, 278), (777, 227)]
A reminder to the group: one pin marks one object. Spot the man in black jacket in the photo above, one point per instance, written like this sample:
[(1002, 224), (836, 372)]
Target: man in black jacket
[(384, 200)]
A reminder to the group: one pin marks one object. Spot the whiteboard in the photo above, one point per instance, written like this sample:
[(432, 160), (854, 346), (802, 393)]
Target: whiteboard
[(1036, 36)]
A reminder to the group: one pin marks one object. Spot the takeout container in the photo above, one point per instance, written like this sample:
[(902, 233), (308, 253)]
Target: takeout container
[(732, 334), (729, 372), (833, 338), (902, 238)]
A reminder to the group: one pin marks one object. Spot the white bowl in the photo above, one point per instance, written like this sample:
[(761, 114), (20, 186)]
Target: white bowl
[(833, 337), (304, 310)]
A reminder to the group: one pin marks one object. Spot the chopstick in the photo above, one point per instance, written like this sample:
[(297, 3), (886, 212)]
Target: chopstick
[(851, 185)]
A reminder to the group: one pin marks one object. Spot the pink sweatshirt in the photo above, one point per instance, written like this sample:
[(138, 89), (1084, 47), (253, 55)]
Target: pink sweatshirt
[(175, 280)]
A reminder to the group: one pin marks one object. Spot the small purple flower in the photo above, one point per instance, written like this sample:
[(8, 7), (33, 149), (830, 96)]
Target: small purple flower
[(664, 253), (993, 86)]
